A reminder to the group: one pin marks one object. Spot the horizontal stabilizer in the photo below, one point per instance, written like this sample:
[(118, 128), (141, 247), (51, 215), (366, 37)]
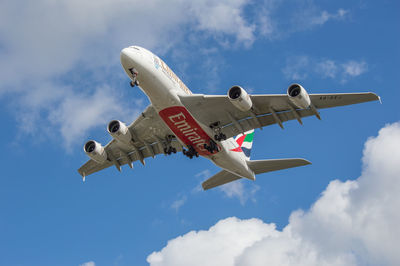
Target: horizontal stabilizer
[(221, 178), (258, 167), (264, 166)]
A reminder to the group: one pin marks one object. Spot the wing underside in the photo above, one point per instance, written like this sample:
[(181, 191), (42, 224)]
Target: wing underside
[(267, 109), (151, 137)]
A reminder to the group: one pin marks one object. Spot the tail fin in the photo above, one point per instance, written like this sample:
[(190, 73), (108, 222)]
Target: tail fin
[(245, 142)]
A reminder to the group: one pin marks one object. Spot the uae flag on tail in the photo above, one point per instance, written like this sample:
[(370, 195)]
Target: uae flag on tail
[(245, 142)]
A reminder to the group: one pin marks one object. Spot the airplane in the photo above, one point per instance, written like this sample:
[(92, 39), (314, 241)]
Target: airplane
[(203, 125)]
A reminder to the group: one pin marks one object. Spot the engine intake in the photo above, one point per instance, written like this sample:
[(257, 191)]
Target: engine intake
[(95, 151), (113, 126), (119, 131), (298, 96), (240, 98)]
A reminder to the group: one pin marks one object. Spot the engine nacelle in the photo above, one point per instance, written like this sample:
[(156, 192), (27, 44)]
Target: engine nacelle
[(298, 96), (240, 98), (95, 151), (119, 131)]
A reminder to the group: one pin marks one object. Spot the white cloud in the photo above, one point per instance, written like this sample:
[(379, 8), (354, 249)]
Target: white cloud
[(301, 67), (354, 68), (212, 62), (352, 223), (67, 115), (238, 190), (297, 67), (327, 68), (177, 204), (43, 44), (265, 23), (224, 17), (308, 15), (324, 16), (90, 263), (202, 176), (77, 113), (217, 246)]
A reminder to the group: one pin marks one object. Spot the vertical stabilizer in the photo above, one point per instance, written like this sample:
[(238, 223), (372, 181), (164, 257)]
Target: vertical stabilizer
[(245, 142)]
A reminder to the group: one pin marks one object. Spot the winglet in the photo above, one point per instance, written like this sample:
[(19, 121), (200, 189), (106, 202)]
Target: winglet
[(83, 177), (380, 100)]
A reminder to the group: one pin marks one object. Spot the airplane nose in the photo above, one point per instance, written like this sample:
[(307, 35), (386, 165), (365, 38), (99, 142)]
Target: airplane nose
[(125, 52), (130, 57), (125, 56)]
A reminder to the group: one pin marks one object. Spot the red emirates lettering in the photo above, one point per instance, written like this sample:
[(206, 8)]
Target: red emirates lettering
[(186, 128)]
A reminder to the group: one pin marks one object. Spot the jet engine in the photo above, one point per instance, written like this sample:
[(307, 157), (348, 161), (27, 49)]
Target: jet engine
[(240, 98), (119, 131), (298, 96), (95, 151)]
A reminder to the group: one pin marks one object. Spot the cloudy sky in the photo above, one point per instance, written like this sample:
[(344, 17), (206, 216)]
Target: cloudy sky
[(61, 82)]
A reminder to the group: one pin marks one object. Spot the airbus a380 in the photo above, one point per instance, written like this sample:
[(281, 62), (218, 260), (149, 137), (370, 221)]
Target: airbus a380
[(203, 125)]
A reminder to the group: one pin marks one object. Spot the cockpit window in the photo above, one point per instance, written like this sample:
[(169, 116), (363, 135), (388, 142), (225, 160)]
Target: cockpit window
[(134, 47)]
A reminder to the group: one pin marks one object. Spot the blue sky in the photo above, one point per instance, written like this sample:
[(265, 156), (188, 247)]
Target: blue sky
[(61, 83)]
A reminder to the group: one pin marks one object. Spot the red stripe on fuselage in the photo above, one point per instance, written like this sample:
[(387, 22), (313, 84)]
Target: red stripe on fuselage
[(185, 127)]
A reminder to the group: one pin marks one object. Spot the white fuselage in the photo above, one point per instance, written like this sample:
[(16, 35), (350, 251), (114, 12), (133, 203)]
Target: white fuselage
[(163, 89)]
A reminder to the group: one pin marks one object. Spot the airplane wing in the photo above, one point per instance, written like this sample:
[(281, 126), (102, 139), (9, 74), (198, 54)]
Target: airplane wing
[(267, 109), (150, 136)]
